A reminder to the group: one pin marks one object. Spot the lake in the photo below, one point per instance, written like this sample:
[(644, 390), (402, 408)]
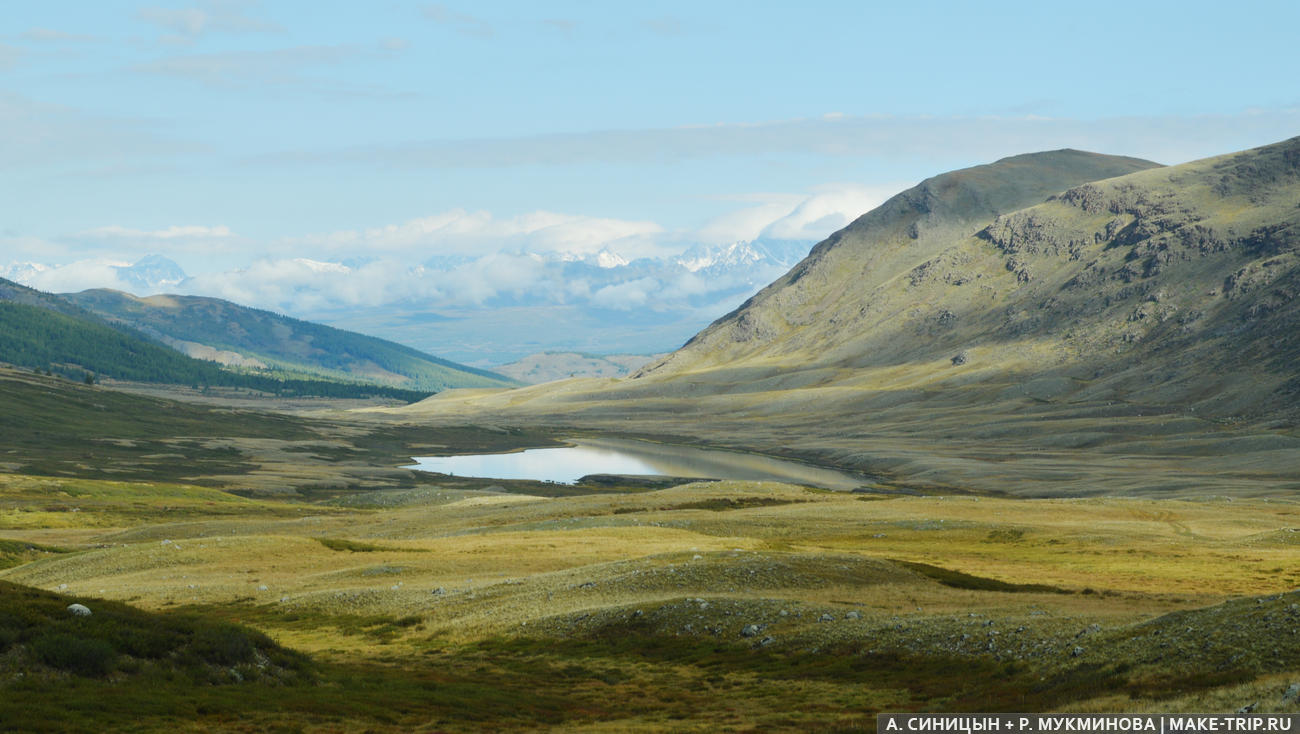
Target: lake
[(640, 458)]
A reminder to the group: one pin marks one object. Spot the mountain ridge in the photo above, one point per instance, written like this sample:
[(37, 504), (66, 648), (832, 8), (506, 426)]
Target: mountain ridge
[(933, 211), (248, 336), (1125, 334), (49, 332)]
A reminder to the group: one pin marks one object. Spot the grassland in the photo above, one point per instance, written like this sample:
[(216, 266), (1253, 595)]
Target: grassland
[(701, 607), (54, 427)]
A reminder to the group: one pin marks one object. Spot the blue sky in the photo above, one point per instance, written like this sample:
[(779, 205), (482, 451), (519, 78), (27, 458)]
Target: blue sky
[(220, 133)]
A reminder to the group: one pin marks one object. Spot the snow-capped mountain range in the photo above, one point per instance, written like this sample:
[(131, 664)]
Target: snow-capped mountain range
[(598, 302)]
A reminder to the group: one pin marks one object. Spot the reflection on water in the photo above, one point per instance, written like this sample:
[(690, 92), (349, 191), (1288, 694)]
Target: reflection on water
[(611, 456)]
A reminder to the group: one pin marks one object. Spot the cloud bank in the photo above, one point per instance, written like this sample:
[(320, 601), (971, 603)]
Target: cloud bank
[(470, 259)]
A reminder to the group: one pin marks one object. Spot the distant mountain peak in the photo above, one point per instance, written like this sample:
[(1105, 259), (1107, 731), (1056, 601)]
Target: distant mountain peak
[(742, 254), (151, 274), (606, 259)]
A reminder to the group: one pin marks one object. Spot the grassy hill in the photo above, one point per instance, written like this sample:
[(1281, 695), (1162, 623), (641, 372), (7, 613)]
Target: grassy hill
[(1052, 324), (82, 347), (1173, 286), (52, 333), (214, 329), (845, 299)]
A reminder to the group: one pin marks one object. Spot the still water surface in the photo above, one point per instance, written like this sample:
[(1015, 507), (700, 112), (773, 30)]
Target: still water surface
[(617, 456)]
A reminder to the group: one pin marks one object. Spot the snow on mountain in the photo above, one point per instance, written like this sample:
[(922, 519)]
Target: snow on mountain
[(322, 267), (739, 255), (150, 275), (23, 273), (147, 276), (606, 259)]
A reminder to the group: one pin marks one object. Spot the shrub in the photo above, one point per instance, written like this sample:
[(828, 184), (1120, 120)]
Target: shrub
[(223, 645), (75, 654)]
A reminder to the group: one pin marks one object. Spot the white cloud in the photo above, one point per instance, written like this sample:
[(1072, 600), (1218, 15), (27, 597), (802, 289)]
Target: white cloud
[(51, 35), (169, 233), (45, 137), (1168, 139), (463, 232), (32, 248), (463, 259), (9, 56), (276, 67), (625, 296), (747, 224), (462, 23), (829, 210), (186, 24), (77, 276), (300, 285), (809, 217)]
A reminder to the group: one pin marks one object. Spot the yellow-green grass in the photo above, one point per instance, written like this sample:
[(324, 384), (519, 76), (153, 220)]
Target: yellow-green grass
[(511, 593), (1134, 554), (28, 502)]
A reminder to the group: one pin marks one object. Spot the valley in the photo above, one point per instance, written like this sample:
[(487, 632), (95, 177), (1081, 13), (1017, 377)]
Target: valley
[(1061, 387)]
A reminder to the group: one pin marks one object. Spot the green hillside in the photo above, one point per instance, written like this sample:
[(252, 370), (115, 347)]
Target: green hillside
[(38, 331), (215, 329)]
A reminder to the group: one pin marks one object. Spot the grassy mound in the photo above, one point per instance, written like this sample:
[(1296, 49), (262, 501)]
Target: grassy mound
[(41, 638), (17, 552)]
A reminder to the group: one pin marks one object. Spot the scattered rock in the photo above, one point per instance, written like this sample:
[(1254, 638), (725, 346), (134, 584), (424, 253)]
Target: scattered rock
[(79, 610), (750, 630), (1292, 693), (826, 618), (438, 591), (765, 641), (61, 587), (853, 615), (263, 587), (961, 358), (1247, 708), (1076, 652)]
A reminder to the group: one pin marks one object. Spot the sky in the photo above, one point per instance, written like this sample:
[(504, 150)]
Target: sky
[(234, 135)]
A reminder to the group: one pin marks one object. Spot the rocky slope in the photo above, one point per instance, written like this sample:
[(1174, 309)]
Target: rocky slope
[(845, 295), (1177, 285)]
